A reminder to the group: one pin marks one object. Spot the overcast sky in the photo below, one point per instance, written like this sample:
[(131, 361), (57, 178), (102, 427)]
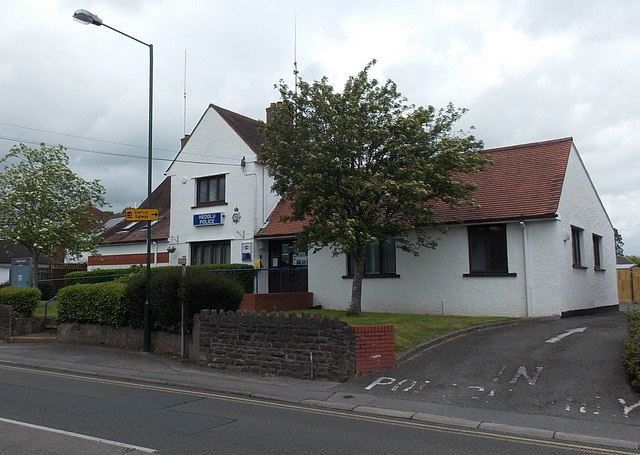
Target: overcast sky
[(526, 70)]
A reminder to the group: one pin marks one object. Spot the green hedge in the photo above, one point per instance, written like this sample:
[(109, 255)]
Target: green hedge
[(200, 289), (99, 276), (632, 348), (242, 273), (100, 303), (23, 300)]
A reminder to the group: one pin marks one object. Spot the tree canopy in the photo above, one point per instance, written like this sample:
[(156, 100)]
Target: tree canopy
[(44, 205), (363, 165)]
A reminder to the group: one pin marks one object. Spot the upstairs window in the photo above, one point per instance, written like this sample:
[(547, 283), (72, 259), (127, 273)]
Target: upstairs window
[(210, 190), (576, 246), (597, 252), (488, 249)]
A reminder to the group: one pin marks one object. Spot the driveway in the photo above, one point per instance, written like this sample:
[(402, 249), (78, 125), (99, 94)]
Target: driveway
[(564, 367)]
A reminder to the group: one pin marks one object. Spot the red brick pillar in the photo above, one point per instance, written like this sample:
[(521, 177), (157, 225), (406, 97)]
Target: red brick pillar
[(375, 348)]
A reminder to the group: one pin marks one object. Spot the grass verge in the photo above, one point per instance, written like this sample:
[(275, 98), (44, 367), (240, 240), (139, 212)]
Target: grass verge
[(411, 329)]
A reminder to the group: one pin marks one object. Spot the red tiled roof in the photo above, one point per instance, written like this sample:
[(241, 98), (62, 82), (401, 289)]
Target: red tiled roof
[(161, 200), (522, 182)]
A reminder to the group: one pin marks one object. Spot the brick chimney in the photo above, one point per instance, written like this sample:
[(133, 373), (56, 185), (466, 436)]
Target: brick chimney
[(184, 140), (270, 110)]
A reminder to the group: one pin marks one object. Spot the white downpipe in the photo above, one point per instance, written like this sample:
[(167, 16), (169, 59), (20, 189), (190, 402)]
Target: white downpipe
[(527, 290)]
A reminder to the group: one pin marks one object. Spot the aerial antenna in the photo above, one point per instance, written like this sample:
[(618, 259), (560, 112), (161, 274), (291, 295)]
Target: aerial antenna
[(184, 115), (295, 53)]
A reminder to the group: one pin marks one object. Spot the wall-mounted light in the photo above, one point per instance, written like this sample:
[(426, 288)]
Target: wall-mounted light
[(243, 162)]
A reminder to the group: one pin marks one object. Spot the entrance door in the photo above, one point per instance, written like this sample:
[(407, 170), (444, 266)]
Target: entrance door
[(287, 267)]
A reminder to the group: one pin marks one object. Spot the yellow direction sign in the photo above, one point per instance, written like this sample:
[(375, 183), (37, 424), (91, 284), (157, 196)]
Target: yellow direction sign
[(141, 214)]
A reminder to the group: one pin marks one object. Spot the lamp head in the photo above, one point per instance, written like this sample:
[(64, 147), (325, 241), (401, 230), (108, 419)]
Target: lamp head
[(85, 17)]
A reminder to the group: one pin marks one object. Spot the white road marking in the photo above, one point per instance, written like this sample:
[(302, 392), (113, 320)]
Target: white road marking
[(522, 371), (565, 334), (628, 409), (77, 435)]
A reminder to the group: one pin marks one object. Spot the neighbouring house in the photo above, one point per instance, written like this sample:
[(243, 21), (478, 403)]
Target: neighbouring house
[(9, 251), (125, 242), (539, 242)]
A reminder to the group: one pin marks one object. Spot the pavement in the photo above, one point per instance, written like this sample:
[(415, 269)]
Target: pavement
[(44, 353)]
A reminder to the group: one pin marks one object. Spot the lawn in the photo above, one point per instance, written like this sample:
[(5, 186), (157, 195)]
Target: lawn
[(52, 310), (411, 329)]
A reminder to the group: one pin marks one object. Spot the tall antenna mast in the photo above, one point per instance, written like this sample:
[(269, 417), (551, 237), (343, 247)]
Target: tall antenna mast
[(295, 53), (184, 127)]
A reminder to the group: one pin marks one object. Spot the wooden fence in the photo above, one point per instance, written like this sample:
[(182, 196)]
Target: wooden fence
[(629, 284)]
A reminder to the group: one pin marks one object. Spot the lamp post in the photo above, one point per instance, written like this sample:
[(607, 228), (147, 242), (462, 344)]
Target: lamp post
[(85, 17)]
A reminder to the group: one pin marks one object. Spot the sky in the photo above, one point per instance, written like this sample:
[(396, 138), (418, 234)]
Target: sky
[(527, 71)]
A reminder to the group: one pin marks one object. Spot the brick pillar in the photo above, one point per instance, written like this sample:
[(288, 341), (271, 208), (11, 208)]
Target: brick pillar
[(375, 348)]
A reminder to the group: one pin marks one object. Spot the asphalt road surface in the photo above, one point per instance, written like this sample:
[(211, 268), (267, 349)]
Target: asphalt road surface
[(59, 413), (566, 367)]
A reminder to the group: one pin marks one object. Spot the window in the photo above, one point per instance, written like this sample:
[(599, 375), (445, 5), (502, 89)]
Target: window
[(211, 252), (597, 252), (488, 249), (379, 261), (576, 246), (210, 190)]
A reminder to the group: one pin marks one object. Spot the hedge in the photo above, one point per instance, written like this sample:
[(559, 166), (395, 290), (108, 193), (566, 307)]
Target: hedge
[(242, 273), (23, 300), (200, 289), (100, 303), (632, 348)]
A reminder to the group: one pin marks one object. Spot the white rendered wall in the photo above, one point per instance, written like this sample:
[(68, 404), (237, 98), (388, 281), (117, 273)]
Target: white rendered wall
[(248, 189), (434, 281), (581, 207)]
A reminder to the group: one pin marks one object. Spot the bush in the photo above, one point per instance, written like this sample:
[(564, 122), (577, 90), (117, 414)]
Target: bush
[(201, 289), (100, 303), (23, 300), (632, 349), (100, 275)]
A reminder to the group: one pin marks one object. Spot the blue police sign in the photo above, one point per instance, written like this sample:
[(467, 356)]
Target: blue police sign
[(207, 219)]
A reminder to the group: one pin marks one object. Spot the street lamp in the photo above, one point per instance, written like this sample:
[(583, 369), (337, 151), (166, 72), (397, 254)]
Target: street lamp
[(85, 17)]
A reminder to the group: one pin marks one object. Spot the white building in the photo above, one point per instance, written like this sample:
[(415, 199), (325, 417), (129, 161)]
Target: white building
[(540, 243)]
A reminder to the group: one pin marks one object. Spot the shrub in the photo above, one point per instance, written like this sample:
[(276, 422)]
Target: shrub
[(200, 289), (100, 275), (23, 300), (100, 303), (212, 291), (632, 348)]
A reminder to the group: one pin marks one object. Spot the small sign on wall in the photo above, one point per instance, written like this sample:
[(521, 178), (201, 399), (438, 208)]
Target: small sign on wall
[(246, 252), (207, 219)]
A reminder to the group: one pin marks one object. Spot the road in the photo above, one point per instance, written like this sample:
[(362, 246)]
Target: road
[(60, 413), (570, 368)]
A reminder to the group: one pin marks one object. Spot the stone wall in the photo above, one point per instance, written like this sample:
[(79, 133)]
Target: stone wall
[(6, 314), (297, 346), (120, 337)]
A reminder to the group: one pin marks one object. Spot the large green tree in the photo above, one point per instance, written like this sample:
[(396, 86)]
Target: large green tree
[(363, 165), (43, 204)]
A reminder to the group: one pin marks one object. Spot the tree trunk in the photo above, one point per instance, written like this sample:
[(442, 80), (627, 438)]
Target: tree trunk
[(355, 308)]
